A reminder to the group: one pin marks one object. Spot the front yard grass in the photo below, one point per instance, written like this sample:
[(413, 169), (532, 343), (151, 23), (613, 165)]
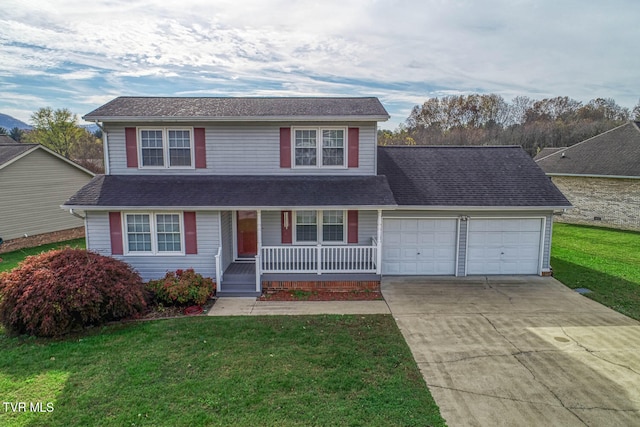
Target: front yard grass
[(206, 371), (606, 261), (10, 260)]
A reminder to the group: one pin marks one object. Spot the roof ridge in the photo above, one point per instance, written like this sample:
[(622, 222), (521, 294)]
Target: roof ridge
[(586, 140)]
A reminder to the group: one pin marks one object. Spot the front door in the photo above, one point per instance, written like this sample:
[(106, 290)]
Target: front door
[(247, 224)]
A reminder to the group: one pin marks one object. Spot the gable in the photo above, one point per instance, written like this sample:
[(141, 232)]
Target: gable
[(615, 153)]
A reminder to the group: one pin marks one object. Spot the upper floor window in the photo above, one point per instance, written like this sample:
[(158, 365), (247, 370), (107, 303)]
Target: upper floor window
[(166, 147), (318, 147)]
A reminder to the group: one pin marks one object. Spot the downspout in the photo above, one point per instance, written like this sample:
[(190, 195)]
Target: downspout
[(105, 147), (77, 215)]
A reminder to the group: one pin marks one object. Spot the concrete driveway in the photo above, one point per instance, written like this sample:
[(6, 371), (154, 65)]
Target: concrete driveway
[(518, 351)]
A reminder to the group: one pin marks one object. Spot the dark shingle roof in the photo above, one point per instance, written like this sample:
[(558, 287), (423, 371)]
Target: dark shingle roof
[(467, 176), (613, 153), (232, 191), (12, 149), (209, 108), (547, 151)]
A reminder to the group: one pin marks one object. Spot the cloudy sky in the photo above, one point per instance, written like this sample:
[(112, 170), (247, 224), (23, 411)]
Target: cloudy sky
[(80, 54)]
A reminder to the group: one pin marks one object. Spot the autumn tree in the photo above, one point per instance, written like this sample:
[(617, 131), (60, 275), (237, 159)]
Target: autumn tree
[(57, 130)]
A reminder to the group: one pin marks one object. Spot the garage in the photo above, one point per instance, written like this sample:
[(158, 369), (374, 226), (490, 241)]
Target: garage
[(419, 246), (504, 246)]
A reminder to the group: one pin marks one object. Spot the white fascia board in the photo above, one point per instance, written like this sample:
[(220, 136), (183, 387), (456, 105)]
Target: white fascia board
[(139, 119), (594, 175), (481, 208), (224, 208)]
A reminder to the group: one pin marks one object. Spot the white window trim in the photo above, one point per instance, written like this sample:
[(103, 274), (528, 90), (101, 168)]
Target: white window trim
[(319, 164), (320, 224), (165, 146), (154, 235)]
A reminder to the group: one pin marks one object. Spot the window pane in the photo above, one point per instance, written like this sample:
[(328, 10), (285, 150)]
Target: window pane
[(332, 226), (168, 233), (138, 233), (151, 147), (306, 226), (305, 147), (333, 147), (179, 148)]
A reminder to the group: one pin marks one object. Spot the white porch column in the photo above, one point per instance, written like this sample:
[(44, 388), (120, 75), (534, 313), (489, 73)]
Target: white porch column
[(259, 254), (379, 248)]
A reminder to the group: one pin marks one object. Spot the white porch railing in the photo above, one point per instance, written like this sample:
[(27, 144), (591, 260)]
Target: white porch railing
[(319, 259)]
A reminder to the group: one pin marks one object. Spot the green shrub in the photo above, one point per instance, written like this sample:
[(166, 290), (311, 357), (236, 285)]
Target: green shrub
[(55, 292), (184, 287)]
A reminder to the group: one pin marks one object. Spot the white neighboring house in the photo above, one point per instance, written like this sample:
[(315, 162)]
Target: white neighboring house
[(34, 182)]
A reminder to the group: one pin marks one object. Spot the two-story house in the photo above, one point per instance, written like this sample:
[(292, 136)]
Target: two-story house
[(293, 193)]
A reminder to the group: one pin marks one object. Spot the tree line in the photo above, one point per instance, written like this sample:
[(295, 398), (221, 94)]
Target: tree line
[(488, 119), (59, 131)]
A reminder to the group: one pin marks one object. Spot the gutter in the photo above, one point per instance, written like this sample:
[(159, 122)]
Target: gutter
[(138, 119), (77, 215)]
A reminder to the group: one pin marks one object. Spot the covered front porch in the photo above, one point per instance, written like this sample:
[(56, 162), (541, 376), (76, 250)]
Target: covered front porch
[(308, 249)]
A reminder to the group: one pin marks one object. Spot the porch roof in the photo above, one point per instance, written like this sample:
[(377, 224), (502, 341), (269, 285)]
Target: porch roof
[(246, 191)]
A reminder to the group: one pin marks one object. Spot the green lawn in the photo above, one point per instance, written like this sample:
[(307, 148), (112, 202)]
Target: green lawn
[(201, 371), (11, 259), (603, 260)]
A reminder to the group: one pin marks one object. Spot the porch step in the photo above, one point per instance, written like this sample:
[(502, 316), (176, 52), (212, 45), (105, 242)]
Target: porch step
[(238, 290)]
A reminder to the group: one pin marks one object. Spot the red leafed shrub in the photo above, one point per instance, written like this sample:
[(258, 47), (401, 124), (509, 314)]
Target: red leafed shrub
[(58, 291), (184, 287)]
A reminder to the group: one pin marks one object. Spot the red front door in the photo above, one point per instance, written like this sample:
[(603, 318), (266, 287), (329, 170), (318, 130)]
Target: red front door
[(247, 222)]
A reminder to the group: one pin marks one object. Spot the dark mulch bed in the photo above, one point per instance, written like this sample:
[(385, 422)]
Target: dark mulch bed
[(163, 312), (321, 296)]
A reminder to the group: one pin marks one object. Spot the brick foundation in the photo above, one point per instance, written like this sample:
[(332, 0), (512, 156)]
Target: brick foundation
[(333, 286), (41, 239)]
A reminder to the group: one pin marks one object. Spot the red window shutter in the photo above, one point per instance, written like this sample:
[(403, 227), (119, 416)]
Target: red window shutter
[(354, 147), (115, 229), (130, 136), (285, 147), (190, 233), (352, 227), (286, 221), (200, 148)]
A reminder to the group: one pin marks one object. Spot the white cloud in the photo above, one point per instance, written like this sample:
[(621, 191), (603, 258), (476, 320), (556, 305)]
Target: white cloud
[(403, 51)]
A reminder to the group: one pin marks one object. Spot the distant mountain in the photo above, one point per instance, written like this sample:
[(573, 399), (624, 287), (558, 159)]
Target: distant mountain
[(9, 122)]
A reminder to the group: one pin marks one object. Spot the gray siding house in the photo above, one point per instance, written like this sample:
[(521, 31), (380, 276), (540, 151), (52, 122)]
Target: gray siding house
[(34, 182), (600, 176), (293, 193)]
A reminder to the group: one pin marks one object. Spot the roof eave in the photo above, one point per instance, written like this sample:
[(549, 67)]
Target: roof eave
[(224, 208), (589, 175), (482, 208), (118, 119)]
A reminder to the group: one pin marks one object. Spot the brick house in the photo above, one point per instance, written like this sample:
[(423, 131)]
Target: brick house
[(600, 176)]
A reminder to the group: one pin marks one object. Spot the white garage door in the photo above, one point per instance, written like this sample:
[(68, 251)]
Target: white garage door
[(504, 246), (419, 246)]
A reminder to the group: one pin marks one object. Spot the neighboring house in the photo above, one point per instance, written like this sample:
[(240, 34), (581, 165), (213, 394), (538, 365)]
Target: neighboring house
[(282, 193), (600, 176), (34, 182)]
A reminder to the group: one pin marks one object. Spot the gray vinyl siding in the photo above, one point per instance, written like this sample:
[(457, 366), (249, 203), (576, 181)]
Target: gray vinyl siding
[(546, 251), (156, 266), (367, 226), (462, 247), (31, 191), (245, 149), (462, 243)]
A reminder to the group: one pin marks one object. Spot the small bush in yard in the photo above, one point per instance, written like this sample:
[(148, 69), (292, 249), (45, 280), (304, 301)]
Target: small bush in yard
[(183, 287), (58, 291)]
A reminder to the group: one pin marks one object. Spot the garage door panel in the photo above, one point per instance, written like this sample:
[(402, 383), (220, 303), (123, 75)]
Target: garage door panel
[(419, 246), (504, 246)]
